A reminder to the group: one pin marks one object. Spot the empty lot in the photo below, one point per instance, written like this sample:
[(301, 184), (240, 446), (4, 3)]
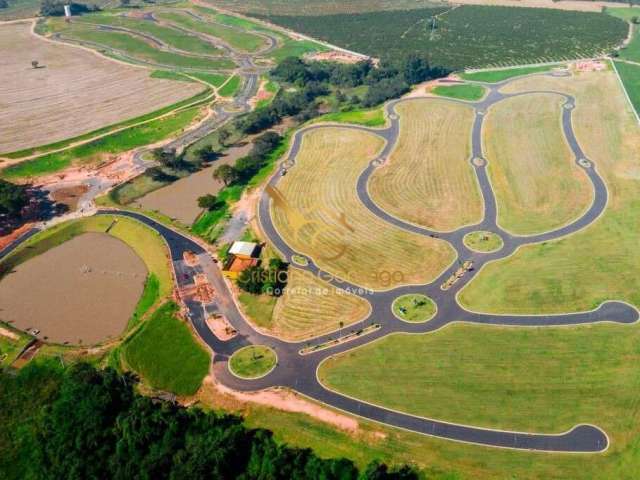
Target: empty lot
[(74, 91)]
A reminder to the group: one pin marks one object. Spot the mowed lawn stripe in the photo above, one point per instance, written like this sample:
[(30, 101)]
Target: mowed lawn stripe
[(428, 178), (324, 218), (537, 184)]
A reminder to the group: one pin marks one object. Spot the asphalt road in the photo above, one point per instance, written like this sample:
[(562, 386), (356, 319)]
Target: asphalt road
[(298, 371)]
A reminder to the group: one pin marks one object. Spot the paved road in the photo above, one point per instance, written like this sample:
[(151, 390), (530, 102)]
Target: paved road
[(298, 371)]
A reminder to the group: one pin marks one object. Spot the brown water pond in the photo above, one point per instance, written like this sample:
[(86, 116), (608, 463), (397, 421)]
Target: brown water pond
[(81, 292)]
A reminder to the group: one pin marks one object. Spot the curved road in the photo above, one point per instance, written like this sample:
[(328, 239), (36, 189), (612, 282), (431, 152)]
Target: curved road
[(298, 371)]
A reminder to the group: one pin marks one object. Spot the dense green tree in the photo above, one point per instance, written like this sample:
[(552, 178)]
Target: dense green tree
[(226, 174), (4, 4), (13, 198), (208, 202)]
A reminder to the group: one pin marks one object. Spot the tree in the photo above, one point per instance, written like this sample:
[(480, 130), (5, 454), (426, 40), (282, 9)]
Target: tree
[(13, 198), (223, 136), (4, 4), (226, 174), (251, 280), (208, 202), (635, 19), (35, 63), (207, 154), (125, 3)]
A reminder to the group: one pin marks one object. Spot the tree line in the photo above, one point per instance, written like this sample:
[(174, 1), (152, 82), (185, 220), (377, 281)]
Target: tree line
[(13, 198), (89, 423)]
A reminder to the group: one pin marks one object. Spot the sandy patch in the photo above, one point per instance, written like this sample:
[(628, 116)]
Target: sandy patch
[(8, 333), (577, 5), (221, 328), (288, 401)]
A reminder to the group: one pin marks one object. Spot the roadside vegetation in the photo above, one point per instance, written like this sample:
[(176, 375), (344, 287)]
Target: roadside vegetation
[(165, 353), (467, 36), (630, 76), (468, 92), (495, 76)]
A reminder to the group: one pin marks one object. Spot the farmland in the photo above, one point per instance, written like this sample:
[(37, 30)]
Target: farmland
[(318, 7), (428, 179), (468, 36), (366, 252), (537, 184), (38, 102)]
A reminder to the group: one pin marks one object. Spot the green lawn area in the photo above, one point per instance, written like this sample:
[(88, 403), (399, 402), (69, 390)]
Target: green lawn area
[(254, 361), (214, 79), (141, 50), (630, 76), (460, 92), (259, 308), (165, 353), (414, 308), (495, 76), (143, 118), (118, 142), (10, 347), (370, 118), (295, 48), (230, 88), (632, 50), (236, 38), (172, 37), (483, 241)]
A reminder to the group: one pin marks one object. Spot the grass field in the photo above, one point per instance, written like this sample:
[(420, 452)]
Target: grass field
[(94, 151), (414, 308), (165, 353), (632, 50), (483, 241), (140, 49), (495, 76), (326, 220), (460, 92), (170, 36), (630, 76), (253, 361), (468, 36), (509, 380), (230, 88), (37, 103), (310, 307), (10, 347), (318, 7), (598, 263), (369, 118), (428, 179), (236, 38), (538, 187), (214, 79)]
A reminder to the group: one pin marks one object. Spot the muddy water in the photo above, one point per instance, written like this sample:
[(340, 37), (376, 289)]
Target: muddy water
[(180, 199), (81, 292)]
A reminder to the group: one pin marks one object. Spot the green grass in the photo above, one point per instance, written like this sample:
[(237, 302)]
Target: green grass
[(414, 308), (495, 76), (483, 241), (296, 48), (632, 50), (625, 13), (118, 142), (196, 99), (230, 88), (9, 347), (172, 37), (369, 118), (165, 353), (460, 92), (259, 308), (171, 75), (237, 39), (150, 296), (525, 379), (214, 79), (630, 76), (141, 50), (253, 361)]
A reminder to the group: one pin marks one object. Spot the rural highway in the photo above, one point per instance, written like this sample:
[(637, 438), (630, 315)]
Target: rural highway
[(299, 372)]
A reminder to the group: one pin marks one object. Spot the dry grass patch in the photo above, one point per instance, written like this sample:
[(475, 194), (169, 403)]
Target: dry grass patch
[(73, 93), (538, 186), (601, 261), (320, 215), (310, 307), (428, 179)]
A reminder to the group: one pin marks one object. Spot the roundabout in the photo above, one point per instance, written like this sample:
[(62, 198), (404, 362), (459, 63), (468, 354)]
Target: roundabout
[(414, 308), (253, 362), (483, 242)]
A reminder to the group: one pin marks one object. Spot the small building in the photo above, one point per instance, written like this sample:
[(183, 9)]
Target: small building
[(242, 255)]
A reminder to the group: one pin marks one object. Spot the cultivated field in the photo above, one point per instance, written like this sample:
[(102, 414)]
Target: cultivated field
[(74, 91), (81, 292), (310, 307), (538, 186), (325, 219), (317, 7), (599, 262), (428, 179), (468, 36)]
